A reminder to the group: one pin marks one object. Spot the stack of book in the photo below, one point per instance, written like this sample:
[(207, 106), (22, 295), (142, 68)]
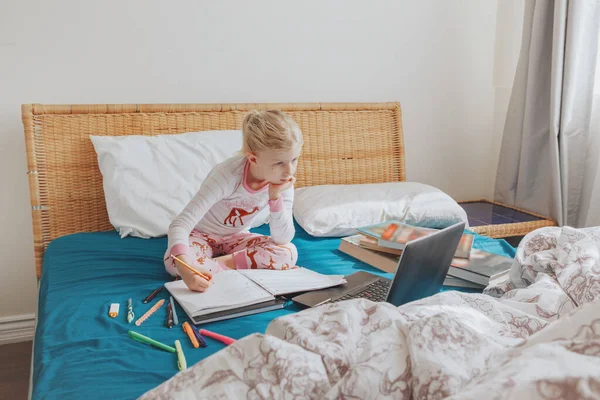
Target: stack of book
[(381, 246)]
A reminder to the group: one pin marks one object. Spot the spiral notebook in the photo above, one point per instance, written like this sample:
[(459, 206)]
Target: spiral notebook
[(236, 293)]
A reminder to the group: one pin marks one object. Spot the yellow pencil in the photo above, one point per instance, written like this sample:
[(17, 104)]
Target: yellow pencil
[(200, 274)]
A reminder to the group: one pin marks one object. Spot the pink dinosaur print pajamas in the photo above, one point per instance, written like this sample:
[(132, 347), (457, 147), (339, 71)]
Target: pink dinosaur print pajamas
[(217, 220)]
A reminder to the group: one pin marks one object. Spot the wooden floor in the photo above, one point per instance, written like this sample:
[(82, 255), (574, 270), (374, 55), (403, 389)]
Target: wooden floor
[(14, 370)]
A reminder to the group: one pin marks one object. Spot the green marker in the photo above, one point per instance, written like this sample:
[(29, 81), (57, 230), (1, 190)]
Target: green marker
[(146, 339)]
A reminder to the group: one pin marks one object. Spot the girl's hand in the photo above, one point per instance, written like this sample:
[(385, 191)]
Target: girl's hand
[(192, 281), (275, 190)]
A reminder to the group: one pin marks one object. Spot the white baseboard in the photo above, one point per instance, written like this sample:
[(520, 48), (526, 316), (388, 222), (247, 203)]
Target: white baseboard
[(18, 328)]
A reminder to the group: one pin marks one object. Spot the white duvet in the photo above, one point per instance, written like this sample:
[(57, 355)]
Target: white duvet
[(538, 338)]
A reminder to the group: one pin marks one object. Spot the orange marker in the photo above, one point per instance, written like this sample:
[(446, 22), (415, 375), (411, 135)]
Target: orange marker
[(188, 329), (194, 270)]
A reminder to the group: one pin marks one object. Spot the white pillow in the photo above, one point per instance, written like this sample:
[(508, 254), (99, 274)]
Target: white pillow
[(337, 210), (148, 180)]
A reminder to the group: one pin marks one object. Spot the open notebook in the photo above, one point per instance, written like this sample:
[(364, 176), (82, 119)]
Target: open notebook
[(243, 292)]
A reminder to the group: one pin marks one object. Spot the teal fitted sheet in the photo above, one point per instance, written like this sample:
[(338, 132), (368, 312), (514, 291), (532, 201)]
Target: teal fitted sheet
[(81, 353)]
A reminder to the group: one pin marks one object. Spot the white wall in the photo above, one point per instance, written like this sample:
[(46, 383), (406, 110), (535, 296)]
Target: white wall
[(435, 57)]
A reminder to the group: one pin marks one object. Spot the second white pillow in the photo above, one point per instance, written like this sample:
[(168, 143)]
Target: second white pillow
[(337, 210)]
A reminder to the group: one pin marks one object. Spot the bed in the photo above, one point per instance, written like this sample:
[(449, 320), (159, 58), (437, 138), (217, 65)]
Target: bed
[(84, 266)]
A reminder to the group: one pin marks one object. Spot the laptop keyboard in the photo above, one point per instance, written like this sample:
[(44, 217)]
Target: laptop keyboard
[(376, 291)]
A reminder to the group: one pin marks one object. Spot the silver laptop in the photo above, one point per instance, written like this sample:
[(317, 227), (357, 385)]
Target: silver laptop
[(421, 271)]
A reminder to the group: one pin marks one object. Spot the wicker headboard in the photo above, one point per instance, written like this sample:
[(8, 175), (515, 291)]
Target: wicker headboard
[(344, 143)]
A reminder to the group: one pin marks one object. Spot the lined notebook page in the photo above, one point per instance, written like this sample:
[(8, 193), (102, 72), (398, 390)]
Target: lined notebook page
[(292, 280), (230, 289)]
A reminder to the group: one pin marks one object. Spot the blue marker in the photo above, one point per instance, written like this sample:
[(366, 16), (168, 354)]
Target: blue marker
[(175, 321), (201, 340)]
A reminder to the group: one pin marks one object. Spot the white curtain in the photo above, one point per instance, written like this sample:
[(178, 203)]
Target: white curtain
[(590, 215), (549, 156)]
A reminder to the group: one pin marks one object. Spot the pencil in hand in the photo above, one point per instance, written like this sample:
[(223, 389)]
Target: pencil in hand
[(195, 271)]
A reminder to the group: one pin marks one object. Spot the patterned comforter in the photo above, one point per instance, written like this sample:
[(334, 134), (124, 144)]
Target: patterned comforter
[(537, 336)]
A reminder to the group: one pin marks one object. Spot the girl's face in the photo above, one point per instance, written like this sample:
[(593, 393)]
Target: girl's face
[(276, 167)]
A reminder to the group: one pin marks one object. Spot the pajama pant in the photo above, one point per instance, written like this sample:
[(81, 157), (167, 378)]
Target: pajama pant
[(250, 251)]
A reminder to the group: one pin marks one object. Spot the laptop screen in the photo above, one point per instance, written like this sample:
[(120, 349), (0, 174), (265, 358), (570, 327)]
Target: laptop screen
[(424, 264)]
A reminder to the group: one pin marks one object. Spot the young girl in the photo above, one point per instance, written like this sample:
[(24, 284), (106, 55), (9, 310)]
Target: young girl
[(212, 231)]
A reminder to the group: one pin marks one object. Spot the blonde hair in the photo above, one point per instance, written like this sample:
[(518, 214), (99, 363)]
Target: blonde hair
[(269, 130)]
